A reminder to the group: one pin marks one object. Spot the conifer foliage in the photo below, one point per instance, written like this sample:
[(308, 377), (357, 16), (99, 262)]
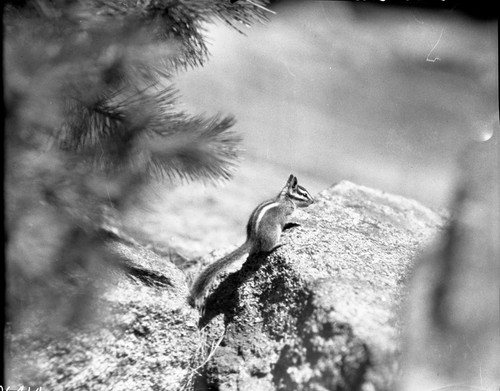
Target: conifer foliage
[(91, 114)]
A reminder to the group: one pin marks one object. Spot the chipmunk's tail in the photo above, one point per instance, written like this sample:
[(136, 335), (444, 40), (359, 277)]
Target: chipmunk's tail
[(208, 276)]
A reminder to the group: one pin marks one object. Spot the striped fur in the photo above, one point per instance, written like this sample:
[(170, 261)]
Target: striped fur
[(262, 212), (296, 193), (257, 215), (301, 195)]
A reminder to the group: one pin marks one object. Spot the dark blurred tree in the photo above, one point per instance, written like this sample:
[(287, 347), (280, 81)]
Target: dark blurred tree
[(91, 116)]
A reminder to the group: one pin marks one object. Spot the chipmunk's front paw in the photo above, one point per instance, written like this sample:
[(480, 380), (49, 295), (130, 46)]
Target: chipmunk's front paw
[(290, 225)]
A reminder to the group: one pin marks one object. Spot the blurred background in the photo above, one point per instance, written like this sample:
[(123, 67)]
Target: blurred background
[(386, 97)]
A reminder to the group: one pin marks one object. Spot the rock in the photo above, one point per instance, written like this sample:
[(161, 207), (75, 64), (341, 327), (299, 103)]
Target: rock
[(321, 312), (142, 335), (453, 337)]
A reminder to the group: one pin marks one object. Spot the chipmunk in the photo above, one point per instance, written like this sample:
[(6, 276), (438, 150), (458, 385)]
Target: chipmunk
[(264, 229)]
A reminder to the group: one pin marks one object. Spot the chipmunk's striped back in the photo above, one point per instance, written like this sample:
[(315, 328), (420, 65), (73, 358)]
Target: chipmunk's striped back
[(258, 214)]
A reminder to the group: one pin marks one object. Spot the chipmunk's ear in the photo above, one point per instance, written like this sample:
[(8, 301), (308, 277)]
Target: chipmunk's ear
[(292, 181), (288, 185)]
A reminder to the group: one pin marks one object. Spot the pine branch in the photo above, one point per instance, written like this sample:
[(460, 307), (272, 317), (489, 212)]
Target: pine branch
[(201, 149), (142, 131)]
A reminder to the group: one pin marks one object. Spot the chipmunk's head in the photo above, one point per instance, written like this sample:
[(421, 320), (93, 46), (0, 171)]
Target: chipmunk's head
[(298, 194)]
